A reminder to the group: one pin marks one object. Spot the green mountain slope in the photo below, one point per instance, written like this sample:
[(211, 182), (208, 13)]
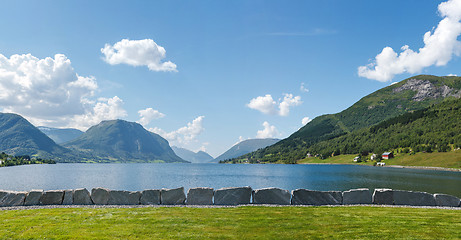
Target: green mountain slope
[(412, 94), (19, 137), (193, 157), (245, 147), (61, 135), (122, 141)]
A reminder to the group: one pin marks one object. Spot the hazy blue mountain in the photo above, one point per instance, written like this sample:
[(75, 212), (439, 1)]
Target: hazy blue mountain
[(122, 141), (193, 157), (19, 137), (245, 147), (61, 135)]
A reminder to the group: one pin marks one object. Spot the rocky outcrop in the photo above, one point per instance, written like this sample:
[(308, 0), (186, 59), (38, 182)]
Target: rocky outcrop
[(100, 196), (150, 197), (309, 197), (123, 197), (53, 197), (425, 89), (272, 196), (232, 196), (172, 196), (200, 196), (357, 196)]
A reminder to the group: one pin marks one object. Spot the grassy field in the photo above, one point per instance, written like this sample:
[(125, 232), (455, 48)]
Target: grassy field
[(252, 222), (436, 159)]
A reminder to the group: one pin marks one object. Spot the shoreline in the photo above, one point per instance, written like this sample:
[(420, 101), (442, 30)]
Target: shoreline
[(392, 166)]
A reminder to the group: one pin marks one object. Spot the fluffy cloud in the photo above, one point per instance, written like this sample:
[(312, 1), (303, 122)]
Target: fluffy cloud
[(184, 135), (439, 48), (138, 53), (452, 75), (267, 105), (303, 88), (305, 120), (149, 114), (49, 92), (269, 131)]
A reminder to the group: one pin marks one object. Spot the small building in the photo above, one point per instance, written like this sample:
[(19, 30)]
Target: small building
[(357, 159), (387, 155), (309, 155), (374, 157)]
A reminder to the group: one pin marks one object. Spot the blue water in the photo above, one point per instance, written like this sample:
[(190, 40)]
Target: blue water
[(140, 176)]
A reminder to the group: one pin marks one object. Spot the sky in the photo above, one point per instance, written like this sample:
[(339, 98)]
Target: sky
[(208, 74)]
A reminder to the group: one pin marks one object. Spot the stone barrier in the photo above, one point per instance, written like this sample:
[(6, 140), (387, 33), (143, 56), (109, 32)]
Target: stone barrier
[(271, 196), (232, 196), (309, 197), (200, 196), (172, 196), (226, 196), (357, 196)]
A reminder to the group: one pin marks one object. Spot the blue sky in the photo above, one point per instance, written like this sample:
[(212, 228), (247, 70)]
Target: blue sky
[(233, 67)]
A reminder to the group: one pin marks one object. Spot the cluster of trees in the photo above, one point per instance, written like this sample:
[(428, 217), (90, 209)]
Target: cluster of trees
[(9, 160)]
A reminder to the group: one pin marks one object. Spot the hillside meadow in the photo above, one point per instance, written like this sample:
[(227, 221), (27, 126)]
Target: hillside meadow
[(246, 222)]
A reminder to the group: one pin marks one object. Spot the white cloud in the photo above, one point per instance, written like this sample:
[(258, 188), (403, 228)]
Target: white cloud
[(269, 131), (149, 114), (138, 53), (184, 135), (305, 120), (303, 88), (49, 92), (439, 48), (267, 105), (452, 75)]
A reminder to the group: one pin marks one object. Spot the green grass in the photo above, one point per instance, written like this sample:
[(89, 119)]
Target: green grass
[(436, 159), (232, 223)]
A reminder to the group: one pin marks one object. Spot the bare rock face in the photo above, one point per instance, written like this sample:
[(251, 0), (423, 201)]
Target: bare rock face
[(383, 196), (445, 200), (53, 197), (123, 197), (173, 196), (200, 196), (82, 197), (100, 196), (357, 196), (150, 197), (413, 198), (232, 196), (425, 89), (309, 197), (13, 199), (33, 197), (272, 196), (68, 197)]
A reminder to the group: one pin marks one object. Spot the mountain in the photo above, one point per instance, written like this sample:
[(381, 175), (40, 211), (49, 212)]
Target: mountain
[(122, 141), (19, 137), (409, 95), (193, 157), (245, 147), (61, 135)]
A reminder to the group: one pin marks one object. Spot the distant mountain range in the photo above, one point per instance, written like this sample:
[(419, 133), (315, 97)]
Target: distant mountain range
[(61, 135), (407, 96), (122, 141), (245, 147), (193, 157)]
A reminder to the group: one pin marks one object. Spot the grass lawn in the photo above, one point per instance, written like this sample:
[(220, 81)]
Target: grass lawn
[(252, 222), (436, 159)]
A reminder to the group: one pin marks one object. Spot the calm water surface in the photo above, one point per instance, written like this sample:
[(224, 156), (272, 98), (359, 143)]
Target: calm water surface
[(140, 176)]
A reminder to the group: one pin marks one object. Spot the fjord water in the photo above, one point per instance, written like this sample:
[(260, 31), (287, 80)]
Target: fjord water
[(140, 176)]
